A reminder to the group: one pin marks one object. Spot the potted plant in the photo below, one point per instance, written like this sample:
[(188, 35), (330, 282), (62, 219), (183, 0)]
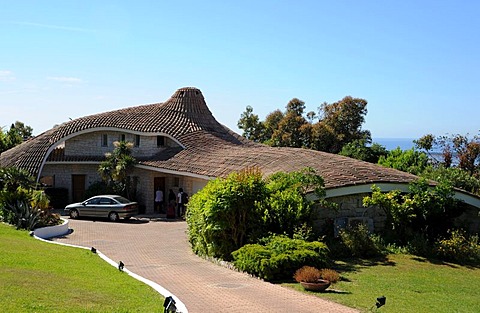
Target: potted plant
[(311, 279)]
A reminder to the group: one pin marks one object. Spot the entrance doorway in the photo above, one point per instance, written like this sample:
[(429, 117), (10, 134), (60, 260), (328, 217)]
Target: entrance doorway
[(78, 188), (159, 184)]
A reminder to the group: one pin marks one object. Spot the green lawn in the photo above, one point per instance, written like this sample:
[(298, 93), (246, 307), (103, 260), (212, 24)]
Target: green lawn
[(410, 284), (36, 276)]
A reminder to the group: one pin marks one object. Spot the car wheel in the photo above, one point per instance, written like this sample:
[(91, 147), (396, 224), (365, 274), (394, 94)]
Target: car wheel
[(113, 216), (74, 213)]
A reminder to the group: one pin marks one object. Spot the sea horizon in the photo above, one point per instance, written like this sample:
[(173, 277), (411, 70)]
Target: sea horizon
[(394, 143)]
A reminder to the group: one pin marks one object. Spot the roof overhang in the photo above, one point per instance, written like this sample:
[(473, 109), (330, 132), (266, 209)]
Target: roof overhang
[(173, 172), (386, 187)]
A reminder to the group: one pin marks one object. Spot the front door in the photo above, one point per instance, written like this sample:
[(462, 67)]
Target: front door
[(78, 188), (159, 183)]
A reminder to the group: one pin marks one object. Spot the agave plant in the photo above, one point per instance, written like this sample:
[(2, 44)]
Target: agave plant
[(24, 215)]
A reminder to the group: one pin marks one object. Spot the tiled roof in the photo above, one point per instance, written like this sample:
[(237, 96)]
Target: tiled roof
[(211, 149)]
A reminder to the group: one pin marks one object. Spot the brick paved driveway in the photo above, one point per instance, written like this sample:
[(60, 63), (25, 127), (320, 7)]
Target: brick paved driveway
[(159, 251)]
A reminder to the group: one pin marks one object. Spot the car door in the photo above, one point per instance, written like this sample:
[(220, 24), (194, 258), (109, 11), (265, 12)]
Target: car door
[(89, 208), (104, 206)]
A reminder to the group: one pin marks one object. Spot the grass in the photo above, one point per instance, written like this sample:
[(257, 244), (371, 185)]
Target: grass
[(36, 276), (410, 284)]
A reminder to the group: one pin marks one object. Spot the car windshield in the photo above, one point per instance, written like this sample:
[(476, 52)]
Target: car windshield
[(122, 200)]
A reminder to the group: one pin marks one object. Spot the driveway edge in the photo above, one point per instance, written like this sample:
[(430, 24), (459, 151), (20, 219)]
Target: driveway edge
[(181, 308)]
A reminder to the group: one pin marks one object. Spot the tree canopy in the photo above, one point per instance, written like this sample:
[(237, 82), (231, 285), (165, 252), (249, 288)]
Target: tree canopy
[(335, 125), (17, 133), (456, 150)]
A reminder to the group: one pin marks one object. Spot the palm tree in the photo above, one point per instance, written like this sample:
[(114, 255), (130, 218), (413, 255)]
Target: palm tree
[(117, 165)]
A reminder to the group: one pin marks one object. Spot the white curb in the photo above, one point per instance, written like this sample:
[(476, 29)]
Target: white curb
[(52, 231)]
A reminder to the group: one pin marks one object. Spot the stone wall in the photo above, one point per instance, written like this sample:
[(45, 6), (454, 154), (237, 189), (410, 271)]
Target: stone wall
[(348, 207), (62, 174), (90, 144), (351, 207)]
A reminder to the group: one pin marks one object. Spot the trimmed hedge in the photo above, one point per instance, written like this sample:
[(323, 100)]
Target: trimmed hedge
[(280, 257)]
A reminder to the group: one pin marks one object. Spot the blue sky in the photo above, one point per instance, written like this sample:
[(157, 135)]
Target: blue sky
[(415, 62)]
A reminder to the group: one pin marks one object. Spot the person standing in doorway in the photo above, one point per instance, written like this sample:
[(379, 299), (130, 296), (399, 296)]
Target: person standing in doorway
[(172, 199), (182, 200), (159, 200)]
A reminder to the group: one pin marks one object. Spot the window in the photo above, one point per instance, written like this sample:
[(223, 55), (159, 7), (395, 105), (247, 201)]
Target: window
[(137, 140), (104, 140), (122, 137), (176, 181), (160, 141)]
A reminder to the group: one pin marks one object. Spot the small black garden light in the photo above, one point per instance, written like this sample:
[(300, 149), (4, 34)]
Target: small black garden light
[(169, 305), (93, 250), (381, 301), (121, 266)]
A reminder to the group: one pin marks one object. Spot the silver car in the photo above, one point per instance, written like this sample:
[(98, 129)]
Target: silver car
[(111, 206)]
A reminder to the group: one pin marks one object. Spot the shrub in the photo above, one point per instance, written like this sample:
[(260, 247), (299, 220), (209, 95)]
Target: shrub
[(330, 275), (26, 208), (308, 274), (229, 213), (419, 245), (288, 208), (459, 247), (23, 215), (426, 210), (359, 243), (279, 257), (225, 214)]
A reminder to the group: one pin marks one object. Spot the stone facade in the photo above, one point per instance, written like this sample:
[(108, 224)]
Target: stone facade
[(348, 209), (92, 144), (61, 175)]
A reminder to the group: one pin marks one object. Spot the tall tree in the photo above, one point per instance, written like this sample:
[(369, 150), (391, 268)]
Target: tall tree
[(253, 129), (459, 150), (345, 117), (361, 150), (17, 133), (338, 124), (289, 131), (271, 124), (295, 106)]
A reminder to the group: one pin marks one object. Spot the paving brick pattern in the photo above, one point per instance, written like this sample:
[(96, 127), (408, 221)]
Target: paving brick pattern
[(159, 250)]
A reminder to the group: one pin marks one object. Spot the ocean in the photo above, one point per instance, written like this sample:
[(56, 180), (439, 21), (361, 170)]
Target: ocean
[(393, 143)]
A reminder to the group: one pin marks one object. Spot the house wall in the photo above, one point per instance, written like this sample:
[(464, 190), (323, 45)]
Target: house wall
[(145, 196), (146, 188), (347, 207), (90, 144), (351, 206), (62, 174)]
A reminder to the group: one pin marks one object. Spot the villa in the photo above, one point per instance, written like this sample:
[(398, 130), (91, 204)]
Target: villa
[(179, 144)]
